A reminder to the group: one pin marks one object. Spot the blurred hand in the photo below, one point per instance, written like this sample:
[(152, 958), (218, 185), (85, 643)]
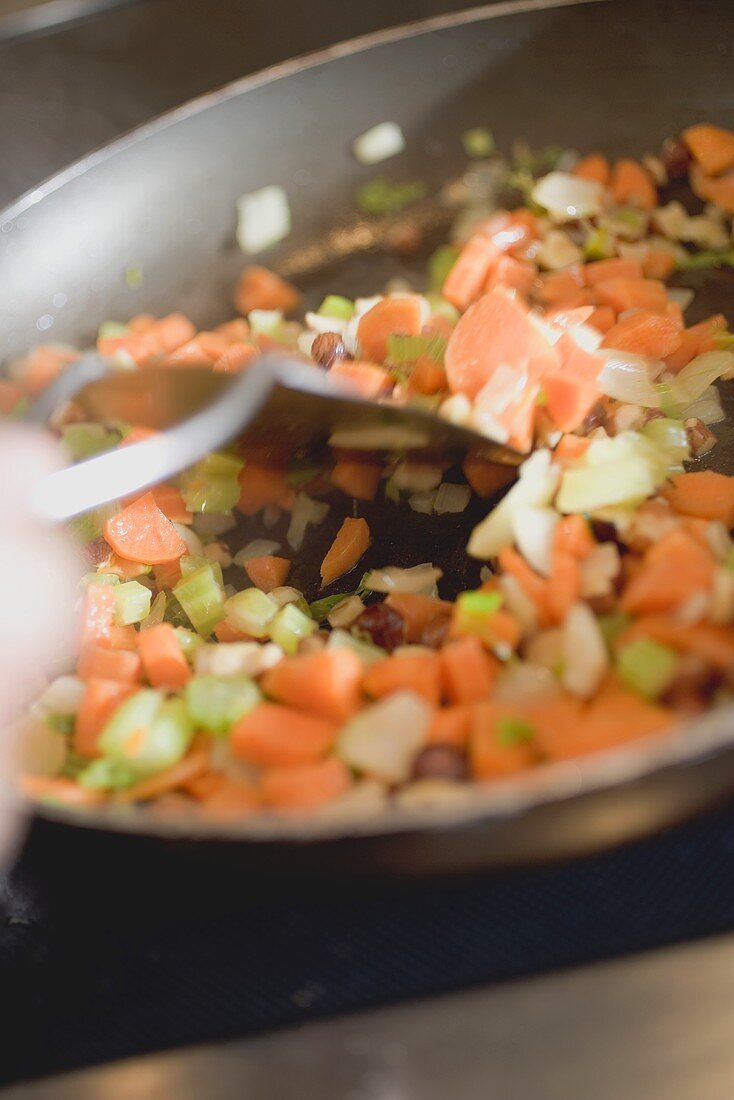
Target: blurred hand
[(38, 572)]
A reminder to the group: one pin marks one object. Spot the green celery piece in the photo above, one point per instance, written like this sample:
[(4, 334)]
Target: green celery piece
[(289, 627), (189, 563), (109, 330), (440, 307), (303, 474), (369, 653), (479, 603), (106, 775), (214, 704), (440, 264), (381, 196), (147, 733), (729, 559), (98, 578), (201, 596), (724, 341), (647, 667), (90, 525), (133, 276), (600, 245), (406, 349), (189, 641), (61, 723), (132, 601), (668, 403), (708, 258), (479, 142), (670, 437), (251, 611), (174, 613), (513, 731), (334, 305), (85, 440), (321, 609), (212, 485), (611, 627), (587, 489)]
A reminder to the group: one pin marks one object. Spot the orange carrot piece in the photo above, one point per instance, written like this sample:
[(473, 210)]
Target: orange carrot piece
[(426, 377), (675, 568), (223, 632), (566, 729), (167, 575), (260, 288), (306, 787), (191, 767), (40, 367), (623, 294), (230, 799), (356, 477), (190, 354), (659, 263), (326, 683), (571, 390), (100, 701), (489, 757), (368, 379), (561, 286), (719, 191), (512, 274), (141, 532), (645, 334), (714, 644), (122, 568), (274, 736), (236, 358), (468, 671), (485, 477), (594, 167), (163, 660), (600, 270), (570, 448), (555, 722), (695, 341), (572, 536), (712, 147), (169, 500), (563, 587), (10, 395), (417, 672), (631, 184), (510, 229), (450, 726), (467, 277), (389, 316), (263, 485), (235, 331), (97, 662), (350, 543), (267, 572), (602, 318), (54, 788), (98, 620), (703, 493), (416, 611)]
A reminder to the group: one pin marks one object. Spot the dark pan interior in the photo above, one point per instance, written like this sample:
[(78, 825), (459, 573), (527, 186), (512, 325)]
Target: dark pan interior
[(616, 74)]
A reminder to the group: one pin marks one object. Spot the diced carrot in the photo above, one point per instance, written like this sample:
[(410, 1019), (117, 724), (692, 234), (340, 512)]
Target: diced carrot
[(426, 377), (512, 406), (563, 587), (235, 331), (40, 367), (450, 726), (230, 799), (274, 736), (223, 632), (594, 167), (326, 683), (513, 274), (486, 477), (571, 389), (190, 354), (466, 279), (555, 722), (10, 395), (417, 672), (260, 288), (468, 671), (510, 229), (138, 434), (192, 766), (560, 286), (565, 728), (151, 341), (600, 270), (55, 788), (703, 493), (267, 572), (367, 379), (100, 701), (263, 485), (631, 184), (163, 660), (389, 316), (623, 294), (356, 477), (719, 191), (675, 568), (167, 575), (570, 448), (97, 662), (695, 341), (350, 543), (306, 787), (169, 500), (141, 532), (173, 331), (573, 536), (98, 626), (237, 357), (645, 333), (659, 263), (126, 570), (416, 611), (714, 644), (712, 146), (500, 628), (489, 755), (564, 318)]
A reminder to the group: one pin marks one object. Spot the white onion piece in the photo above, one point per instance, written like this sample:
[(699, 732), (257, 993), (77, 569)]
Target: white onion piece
[(378, 143), (546, 648), (535, 488), (213, 524), (456, 409), (699, 374), (305, 511), (263, 219), (417, 477), (258, 548), (585, 337), (420, 579), (383, 739), (318, 323), (305, 342), (599, 570), (423, 502), (557, 251), (682, 295), (451, 499), (63, 696), (41, 749), (227, 659), (517, 602), (525, 682), (707, 408), (626, 377), (218, 552), (567, 198), (346, 612), (585, 657), (534, 529), (194, 545)]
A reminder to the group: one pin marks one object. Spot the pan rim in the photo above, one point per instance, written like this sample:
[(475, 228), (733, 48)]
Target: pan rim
[(504, 799)]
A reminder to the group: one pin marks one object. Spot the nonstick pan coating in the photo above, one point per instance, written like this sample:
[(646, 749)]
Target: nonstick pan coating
[(617, 75)]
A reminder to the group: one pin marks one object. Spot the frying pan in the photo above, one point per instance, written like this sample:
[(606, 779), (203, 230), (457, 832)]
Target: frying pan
[(620, 75)]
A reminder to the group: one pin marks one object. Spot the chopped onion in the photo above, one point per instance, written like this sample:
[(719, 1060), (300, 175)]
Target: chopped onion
[(213, 524), (420, 579), (626, 377), (63, 696), (451, 499), (384, 738), (417, 477), (346, 612), (535, 487), (194, 545), (318, 323), (698, 375), (305, 511), (557, 251), (42, 749), (378, 143), (599, 570), (586, 337), (285, 594), (218, 552), (524, 682), (585, 656), (534, 529), (263, 219), (258, 548), (567, 198), (423, 502), (517, 602), (682, 295), (228, 659), (546, 648), (305, 342), (456, 409), (707, 408)]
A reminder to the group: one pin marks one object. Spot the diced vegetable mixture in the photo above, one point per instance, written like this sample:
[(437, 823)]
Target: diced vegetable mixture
[(604, 611)]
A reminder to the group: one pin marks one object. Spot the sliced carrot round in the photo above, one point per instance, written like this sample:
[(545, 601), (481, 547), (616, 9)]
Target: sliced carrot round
[(141, 532)]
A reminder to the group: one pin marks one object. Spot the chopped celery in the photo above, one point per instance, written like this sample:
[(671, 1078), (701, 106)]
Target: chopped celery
[(647, 667), (250, 611), (612, 625), (587, 489), (189, 563), (132, 603), (174, 613), (440, 264), (406, 349), (215, 704), (320, 609), (668, 403), (212, 485), (147, 732), (189, 641), (391, 491), (84, 440), (289, 626), (441, 308), (109, 330), (729, 559), (303, 474), (133, 276), (541, 399), (266, 322), (342, 639), (62, 723), (98, 578), (473, 604), (90, 525), (670, 437), (701, 261), (157, 612), (513, 731), (334, 305), (201, 596), (724, 341), (106, 775), (600, 245), (381, 196), (479, 142), (535, 161)]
